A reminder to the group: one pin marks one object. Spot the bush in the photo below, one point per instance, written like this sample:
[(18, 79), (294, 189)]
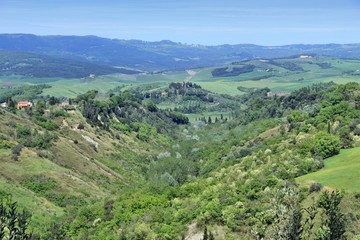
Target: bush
[(13, 223), (295, 117), (39, 183), (326, 145), (124, 128), (45, 123), (45, 154), (315, 187), (357, 131), (81, 126), (23, 131), (60, 113), (5, 144), (16, 150), (357, 195)]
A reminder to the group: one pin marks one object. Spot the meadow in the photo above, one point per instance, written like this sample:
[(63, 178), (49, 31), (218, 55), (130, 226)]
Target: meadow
[(340, 171)]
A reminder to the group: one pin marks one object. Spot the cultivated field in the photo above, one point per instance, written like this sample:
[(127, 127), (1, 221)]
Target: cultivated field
[(277, 75)]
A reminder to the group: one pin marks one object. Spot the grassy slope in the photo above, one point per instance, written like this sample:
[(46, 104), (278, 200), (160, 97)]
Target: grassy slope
[(79, 171), (341, 171)]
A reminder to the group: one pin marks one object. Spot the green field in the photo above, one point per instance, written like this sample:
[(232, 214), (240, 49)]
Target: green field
[(339, 71), (340, 172)]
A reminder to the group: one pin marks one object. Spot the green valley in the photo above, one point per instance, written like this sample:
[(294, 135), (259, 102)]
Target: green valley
[(261, 148), (124, 166)]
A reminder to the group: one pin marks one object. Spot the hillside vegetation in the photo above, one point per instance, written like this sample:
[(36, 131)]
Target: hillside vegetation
[(55, 159), (122, 167)]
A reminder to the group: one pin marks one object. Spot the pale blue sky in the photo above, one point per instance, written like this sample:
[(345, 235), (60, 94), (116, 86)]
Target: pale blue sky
[(264, 22)]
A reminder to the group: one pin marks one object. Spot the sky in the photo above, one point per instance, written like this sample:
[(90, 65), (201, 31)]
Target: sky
[(206, 22)]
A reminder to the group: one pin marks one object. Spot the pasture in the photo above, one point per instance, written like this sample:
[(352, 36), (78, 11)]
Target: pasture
[(340, 172)]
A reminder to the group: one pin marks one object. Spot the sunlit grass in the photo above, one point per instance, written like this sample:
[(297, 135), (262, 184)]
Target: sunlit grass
[(341, 171)]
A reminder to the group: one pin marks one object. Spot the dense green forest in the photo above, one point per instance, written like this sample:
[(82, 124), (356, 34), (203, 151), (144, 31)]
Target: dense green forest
[(121, 167)]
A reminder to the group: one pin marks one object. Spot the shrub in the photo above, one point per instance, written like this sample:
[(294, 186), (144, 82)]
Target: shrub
[(357, 195), (60, 113), (124, 128), (5, 144), (39, 183), (81, 126), (296, 116), (45, 123), (16, 150), (13, 223), (315, 187), (357, 131), (326, 145), (45, 154), (23, 131)]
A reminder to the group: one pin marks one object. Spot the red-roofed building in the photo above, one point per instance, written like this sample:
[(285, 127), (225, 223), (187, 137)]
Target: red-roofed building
[(22, 105)]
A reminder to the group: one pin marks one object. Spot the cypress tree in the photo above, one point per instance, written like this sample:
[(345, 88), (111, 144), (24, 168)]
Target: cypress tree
[(205, 236)]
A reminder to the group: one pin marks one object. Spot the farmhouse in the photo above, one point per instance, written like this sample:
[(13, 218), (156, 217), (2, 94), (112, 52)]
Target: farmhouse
[(3, 105), (24, 104), (64, 103)]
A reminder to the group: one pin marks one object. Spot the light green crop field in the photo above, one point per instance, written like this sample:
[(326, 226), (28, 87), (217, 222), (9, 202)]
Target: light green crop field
[(74, 87), (340, 172)]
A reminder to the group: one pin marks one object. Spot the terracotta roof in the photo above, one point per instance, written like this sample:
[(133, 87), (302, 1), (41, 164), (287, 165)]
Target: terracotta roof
[(23, 104)]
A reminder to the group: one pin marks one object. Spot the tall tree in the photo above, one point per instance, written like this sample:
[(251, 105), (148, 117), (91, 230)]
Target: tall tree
[(334, 219), (10, 103), (52, 100), (205, 236), (41, 106)]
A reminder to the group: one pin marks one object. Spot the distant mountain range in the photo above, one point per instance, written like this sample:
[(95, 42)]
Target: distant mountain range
[(158, 56), (41, 66)]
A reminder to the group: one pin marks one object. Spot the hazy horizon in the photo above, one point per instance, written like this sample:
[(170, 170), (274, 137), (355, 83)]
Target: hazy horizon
[(190, 44), (259, 22)]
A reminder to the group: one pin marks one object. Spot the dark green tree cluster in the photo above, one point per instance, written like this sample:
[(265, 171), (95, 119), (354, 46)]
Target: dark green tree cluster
[(300, 223), (22, 93), (233, 71), (33, 138), (287, 65), (132, 114)]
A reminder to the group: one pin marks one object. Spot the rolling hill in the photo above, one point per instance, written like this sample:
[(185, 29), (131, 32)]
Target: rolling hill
[(43, 66), (124, 161), (158, 56)]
